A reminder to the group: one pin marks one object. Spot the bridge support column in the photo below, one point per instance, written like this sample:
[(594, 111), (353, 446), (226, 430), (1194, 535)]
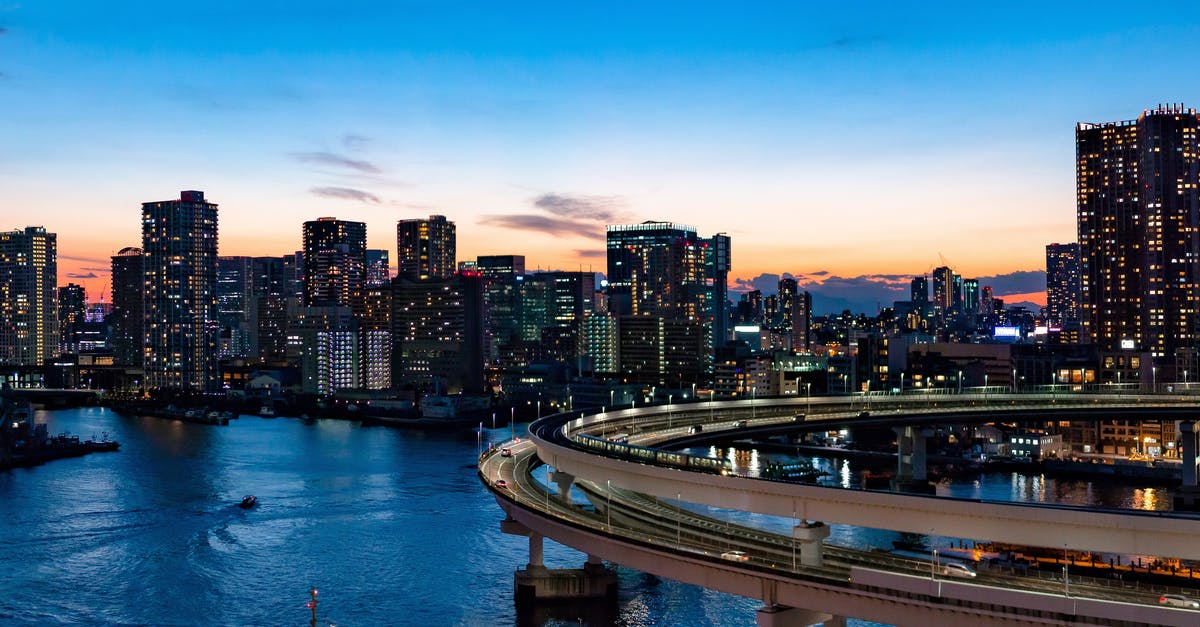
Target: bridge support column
[(564, 482), (1187, 498), (811, 536), (535, 582), (911, 470), (836, 621), (781, 616)]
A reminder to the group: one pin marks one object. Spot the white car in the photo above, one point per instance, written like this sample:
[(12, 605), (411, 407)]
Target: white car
[(1178, 600), (735, 556)]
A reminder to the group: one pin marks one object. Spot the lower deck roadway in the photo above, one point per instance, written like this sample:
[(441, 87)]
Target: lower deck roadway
[(655, 537)]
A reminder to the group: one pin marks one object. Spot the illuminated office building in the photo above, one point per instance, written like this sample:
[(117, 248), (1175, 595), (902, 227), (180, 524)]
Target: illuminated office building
[(179, 247), (72, 308)]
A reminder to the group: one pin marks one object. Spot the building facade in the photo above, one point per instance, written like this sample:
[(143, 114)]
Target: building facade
[(179, 244), (1062, 283), (335, 261), (426, 249), (127, 318), (28, 296), (1138, 199)]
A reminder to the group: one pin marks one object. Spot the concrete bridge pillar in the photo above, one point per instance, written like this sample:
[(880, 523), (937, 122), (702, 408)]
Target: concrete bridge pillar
[(564, 482), (911, 471), (1187, 498), (535, 551), (904, 443), (835, 621), (782, 616), (811, 536)]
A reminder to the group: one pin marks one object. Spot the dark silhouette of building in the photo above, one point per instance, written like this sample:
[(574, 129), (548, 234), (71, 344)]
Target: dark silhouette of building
[(127, 317), (72, 309), (1062, 283)]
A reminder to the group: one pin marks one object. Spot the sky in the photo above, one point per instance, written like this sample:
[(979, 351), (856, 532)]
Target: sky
[(850, 144)]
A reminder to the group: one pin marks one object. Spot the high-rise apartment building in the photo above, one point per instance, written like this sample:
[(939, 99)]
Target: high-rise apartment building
[(72, 309), (425, 249), (947, 286), (502, 277), (28, 296), (128, 317), (1062, 283), (235, 305), (335, 261), (1138, 198), (437, 333), (179, 247)]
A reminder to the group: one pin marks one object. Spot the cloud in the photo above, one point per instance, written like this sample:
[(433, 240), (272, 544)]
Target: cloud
[(94, 260), (1020, 282), (3, 31), (590, 252), (353, 141), (331, 159), (598, 208), (544, 224), (77, 275), (101, 270), (345, 193)]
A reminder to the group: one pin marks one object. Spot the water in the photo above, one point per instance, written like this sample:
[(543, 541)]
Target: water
[(390, 525)]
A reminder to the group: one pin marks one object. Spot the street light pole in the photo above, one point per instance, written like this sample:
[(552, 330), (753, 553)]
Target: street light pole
[(608, 508)]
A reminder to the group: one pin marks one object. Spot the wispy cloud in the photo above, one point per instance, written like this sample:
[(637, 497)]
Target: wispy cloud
[(544, 224), (590, 252), (345, 193), (77, 275), (565, 214), (93, 260), (598, 208), (100, 270), (354, 141), (336, 160)]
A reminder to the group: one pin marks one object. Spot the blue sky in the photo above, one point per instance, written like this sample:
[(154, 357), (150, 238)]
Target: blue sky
[(856, 139)]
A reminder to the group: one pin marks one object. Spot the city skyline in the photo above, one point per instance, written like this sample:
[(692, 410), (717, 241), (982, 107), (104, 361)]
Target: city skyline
[(908, 134)]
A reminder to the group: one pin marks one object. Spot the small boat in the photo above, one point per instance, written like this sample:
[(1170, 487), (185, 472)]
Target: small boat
[(248, 501), (266, 411)]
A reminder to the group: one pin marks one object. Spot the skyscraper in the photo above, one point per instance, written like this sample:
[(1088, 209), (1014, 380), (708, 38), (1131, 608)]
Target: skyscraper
[(945, 282), (425, 249), (1062, 283), (1138, 196), (179, 244), (235, 305), (28, 296), (127, 318), (335, 261), (72, 307), (718, 259), (970, 296), (656, 268)]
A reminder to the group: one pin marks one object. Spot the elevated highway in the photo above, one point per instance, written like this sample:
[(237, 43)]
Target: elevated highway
[(666, 540), (1169, 534)]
